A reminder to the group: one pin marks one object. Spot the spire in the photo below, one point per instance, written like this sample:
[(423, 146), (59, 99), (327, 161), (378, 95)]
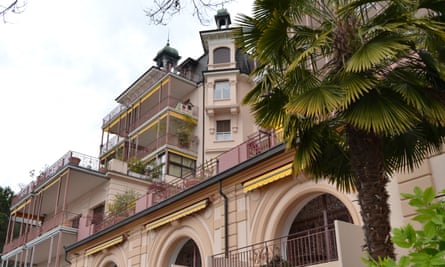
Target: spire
[(168, 57)]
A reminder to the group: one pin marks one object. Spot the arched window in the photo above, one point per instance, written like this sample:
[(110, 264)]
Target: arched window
[(189, 255), (221, 55)]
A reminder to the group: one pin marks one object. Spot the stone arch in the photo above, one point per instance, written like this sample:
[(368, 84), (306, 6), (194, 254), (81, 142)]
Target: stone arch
[(285, 201), (170, 240), (113, 257)]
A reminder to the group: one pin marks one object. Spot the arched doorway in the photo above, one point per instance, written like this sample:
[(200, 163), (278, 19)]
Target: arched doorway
[(189, 255), (311, 237)]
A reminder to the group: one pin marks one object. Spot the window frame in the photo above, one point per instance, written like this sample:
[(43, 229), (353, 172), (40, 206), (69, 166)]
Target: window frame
[(221, 90), (225, 135), (221, 55)]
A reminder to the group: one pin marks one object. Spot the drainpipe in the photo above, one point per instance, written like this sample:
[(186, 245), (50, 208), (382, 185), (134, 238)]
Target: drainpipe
[(66, 256), (226, 221), (203, 119)]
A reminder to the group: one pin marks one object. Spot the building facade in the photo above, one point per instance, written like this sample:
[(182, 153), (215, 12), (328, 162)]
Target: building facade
[(195, 182)]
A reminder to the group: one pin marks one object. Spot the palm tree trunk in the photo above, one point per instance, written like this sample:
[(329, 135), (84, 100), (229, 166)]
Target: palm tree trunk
[(367, 164)]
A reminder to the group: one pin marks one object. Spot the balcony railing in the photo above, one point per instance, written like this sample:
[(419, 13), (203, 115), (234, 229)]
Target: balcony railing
[(62, 218), (85, 162), (310, 247), (159, 191)]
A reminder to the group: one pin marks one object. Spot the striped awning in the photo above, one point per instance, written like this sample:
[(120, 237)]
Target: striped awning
[(177, 215), (268, 178), (105, 245)]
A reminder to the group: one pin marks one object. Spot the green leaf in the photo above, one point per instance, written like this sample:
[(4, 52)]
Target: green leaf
[(428, 195), (438, 259), (404, 237)]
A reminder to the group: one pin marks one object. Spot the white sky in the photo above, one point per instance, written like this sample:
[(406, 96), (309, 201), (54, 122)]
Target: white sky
[(62, 64)]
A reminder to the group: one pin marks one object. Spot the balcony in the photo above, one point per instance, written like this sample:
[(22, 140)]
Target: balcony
[(38, 227), (159, 191), (340, 244), (70, 158), (314, 246), (147, 111)]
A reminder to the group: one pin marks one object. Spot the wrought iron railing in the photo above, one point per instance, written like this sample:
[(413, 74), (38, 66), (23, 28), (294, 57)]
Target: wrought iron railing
[(160, 190), (81, 160), (310, 247)]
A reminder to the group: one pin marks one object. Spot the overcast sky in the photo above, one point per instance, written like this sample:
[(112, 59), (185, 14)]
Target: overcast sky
[(62, 64)]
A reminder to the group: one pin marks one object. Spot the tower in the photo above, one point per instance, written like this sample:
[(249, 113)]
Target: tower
[(167, 58)]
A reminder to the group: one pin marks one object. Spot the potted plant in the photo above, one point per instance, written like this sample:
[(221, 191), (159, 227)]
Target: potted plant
[(122, 204), (137, 166), (74, 160), (184, 132), (154, 171)]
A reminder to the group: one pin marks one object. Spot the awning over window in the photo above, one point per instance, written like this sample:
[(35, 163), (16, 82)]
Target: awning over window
[(268, 178), (105, 245), (177, 215)]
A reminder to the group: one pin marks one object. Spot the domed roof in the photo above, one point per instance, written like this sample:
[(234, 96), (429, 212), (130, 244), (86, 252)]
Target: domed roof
[(222, 11), (169, 51)]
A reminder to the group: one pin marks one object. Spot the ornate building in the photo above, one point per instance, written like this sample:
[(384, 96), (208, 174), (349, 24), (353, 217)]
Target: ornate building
[(185, 178)]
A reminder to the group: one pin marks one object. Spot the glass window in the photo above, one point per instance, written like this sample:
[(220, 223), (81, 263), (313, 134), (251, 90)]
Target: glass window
[(221, 55), (180, 166), (223, 130), (222, 90)]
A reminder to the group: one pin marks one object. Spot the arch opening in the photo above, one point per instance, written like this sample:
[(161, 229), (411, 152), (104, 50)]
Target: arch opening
[(189, 255), (311, 237)]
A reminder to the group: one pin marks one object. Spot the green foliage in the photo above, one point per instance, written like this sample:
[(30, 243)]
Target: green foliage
[(427, 245), (356, 86), (137, 166), (277, 261), (6, 195), (185, 131), (122, 202)]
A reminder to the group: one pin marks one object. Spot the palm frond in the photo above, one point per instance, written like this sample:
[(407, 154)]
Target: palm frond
[(321, 153), (406, 151), (381, 113), (375, 52)]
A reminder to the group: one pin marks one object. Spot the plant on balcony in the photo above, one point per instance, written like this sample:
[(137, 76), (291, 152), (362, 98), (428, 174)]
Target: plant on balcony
[(154, 171), (185, 131), (121, 203), (277, 261), (137, 166)]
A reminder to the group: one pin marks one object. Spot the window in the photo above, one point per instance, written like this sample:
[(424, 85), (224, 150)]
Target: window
[(223, 130), (180, 166), (221, 55), (222, 90)]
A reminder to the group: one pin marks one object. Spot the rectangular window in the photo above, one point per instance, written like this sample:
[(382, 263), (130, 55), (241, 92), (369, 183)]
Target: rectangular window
[(221, 90), (180, 166), (223, 130)]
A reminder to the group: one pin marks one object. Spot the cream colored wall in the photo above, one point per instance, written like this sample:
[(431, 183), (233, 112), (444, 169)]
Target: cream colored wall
[(222, 42), (119, 184), (91, 199), (429, 174), (259, 215)]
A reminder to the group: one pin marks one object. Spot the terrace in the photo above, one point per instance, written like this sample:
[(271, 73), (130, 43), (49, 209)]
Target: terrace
[(69, 158), (305, 248), (159, 191)]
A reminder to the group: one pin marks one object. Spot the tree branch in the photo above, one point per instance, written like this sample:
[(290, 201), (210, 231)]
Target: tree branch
[(163, 10), (13, 7)]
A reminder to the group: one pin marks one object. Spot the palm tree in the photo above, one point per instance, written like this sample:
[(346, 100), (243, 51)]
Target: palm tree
[(358, 87)]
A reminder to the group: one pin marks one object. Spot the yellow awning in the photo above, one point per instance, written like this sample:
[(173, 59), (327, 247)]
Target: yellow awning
[(20, 207), (104, 245), (177, 215), (268, 178)]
